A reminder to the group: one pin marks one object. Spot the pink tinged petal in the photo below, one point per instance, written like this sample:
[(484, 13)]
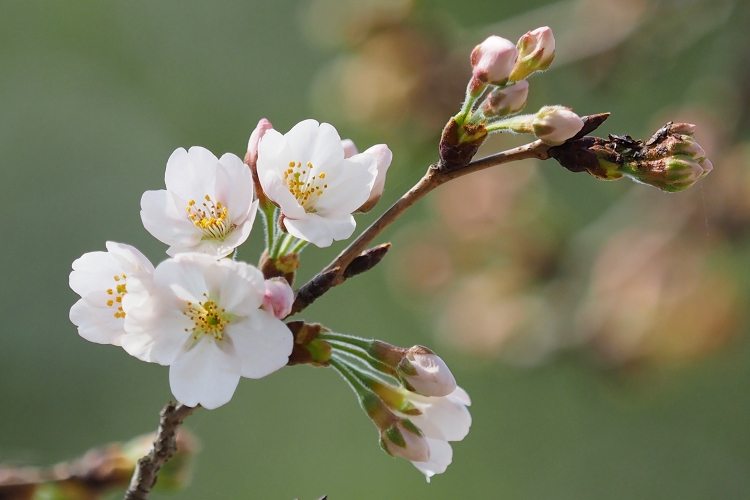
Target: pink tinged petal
[(350, 149), (131, 254), (278, 298), (328, 149), (205, 373), (161, 218), (383, 158), (96, 323), (92, 272), (349, 185), (433, 377), (263, 126), (262, 342), (441, 456), (301, 140), (321, 231), (191, 174), (235, 286), (445, 418)]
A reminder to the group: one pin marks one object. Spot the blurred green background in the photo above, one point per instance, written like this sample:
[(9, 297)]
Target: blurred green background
[(94, 96)]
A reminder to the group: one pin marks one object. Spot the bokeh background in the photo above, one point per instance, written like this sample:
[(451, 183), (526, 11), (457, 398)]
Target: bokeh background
[(600, 328)]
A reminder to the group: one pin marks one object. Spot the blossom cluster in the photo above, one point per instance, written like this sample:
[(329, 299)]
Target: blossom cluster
[(214, 319)]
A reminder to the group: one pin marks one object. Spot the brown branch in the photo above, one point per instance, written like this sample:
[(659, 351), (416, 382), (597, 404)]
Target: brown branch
[(164, 448), (431, 180)]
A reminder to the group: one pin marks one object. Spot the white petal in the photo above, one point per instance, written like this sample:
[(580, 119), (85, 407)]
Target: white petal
[(383, 158), (184, 276), (237, 286), (235, 187), (131, 254), (327, 149), (276, 190), (321, 231), (301, 140), (262, 342), (97, 324), (205, 373), (441, 456), (94, 272), (155, 332), (442, 418), (271, 147), (191, 174), (349, 185), (161, 219), (460, 396)]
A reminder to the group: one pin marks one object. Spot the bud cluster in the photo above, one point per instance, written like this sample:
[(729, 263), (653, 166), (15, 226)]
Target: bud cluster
[(498, 90), (671, 160), (410, 395)]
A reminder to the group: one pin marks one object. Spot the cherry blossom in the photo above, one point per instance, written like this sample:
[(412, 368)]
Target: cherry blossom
[(304, 172), (207, 207), (102, 280), (203, 319)]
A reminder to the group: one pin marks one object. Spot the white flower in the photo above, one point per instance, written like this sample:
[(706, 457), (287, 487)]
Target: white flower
[(102, 280), (279, 297), (493, 60), (427, 373), (203, 319), (207, 207), (305, 173), (443, 419)]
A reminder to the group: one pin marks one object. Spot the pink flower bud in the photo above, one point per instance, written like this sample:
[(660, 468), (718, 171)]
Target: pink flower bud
[(536, 50), (404, 440), (506, 101), (428, 374), (493, 60), (383, 157), (350, 149), (278, 298), (252, 145), (554, 125)]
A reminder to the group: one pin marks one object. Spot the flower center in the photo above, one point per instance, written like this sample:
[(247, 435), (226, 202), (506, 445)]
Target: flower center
[(207, 319), (303, 185), (210, 217), (117, 293)]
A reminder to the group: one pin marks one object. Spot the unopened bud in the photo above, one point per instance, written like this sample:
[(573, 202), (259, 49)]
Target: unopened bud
[(251, 159), (506, 101), (671, 174), (403, 439), (350, 149), (426, 372), (536, 50), (493, 60), (670, 160), (278, 298), (252, 144), (554, 125), (383, 157)]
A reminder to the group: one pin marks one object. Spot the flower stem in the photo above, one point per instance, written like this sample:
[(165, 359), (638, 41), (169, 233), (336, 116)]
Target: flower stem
[(359, 353), (268, 212), (299, 246)]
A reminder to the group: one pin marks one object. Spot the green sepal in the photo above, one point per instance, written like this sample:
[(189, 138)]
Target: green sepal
[(409, 426), (394, 436)]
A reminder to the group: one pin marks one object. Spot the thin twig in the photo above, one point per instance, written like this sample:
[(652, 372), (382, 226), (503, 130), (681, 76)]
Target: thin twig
[(164, 448)]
